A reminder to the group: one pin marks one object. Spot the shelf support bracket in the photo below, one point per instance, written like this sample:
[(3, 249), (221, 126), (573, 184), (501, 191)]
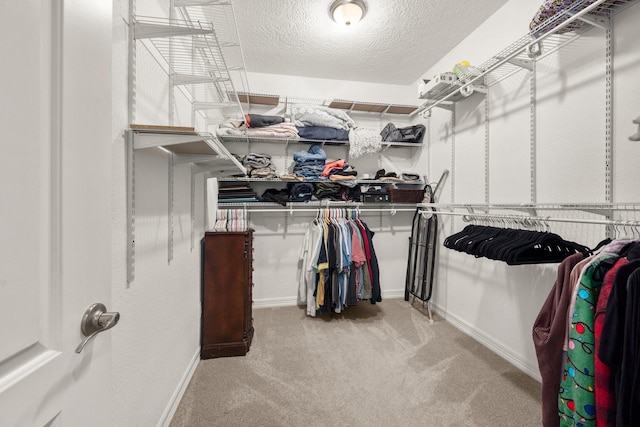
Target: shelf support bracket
[(522, 63), (131, 225), (609, 119), (450, 106), (170, 210), (533, 137), (534, 49), (193, 206), (593, 20)]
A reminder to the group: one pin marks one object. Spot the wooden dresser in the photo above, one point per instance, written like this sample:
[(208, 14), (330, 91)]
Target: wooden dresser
[(227, 323)]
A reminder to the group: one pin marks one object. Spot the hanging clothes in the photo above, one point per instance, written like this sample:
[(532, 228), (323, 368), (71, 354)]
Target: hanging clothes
[(549, 330), (338, 266), (598, 381), (605, 401), (576, 401), (620, 344)]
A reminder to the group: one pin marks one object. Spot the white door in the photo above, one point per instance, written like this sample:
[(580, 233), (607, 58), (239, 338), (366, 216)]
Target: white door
[(55, 235)]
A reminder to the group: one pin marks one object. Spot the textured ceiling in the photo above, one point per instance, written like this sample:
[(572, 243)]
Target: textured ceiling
[(395, 43)]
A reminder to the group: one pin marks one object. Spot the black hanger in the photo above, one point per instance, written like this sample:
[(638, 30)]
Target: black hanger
[(548, 248), (514, 246)]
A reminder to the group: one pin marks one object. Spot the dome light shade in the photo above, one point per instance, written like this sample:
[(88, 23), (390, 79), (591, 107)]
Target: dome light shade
[(347, 12)]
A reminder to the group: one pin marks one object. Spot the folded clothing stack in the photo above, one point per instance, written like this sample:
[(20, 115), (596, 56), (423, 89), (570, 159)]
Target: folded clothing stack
[(259, 166), (382, 175), (340, 171), (230, 192), (337, 192), (323, 133), (318, 115), (294, 192), (261, 120), (328, 191), (278, 130), (322, 123), (309, 164), (260, 126), (274, 195), (300, 191)]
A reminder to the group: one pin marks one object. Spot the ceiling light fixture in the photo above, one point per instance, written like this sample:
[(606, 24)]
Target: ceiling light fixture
[(347, 12)]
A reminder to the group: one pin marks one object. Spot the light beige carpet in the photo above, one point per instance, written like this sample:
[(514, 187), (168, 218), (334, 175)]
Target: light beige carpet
[(374, 365)]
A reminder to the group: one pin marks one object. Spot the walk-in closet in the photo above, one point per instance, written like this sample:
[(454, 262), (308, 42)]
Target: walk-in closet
[(349, 212)]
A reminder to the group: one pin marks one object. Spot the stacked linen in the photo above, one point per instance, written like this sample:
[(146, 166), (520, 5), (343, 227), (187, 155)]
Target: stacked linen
[(321, 123), (309, 164), (280, 130), (230, 220), (263, 126), (221, 220), (314, 115), (258, 125), (230, 128)]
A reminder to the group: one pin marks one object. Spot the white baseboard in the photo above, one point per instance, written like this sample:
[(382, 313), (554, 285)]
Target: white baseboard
[(289, 301), (392, 293), (173, 403), (275, 302), (488, 341)]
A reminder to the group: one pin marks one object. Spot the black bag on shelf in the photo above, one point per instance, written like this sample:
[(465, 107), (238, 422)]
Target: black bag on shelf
[(387, 131), (414, 133)]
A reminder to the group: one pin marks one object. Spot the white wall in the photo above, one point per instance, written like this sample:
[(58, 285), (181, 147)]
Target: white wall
[(494, 302), (156, 344), (315, 88), (275, 271)]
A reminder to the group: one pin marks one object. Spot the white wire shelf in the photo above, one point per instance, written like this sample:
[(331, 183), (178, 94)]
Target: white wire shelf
[(201, 149), (542, 206), (220, 14), (252, 139), (285, 101), (314, 206), (193, 57), (533, 209), (553, 34), (530, 221), (357, 181)]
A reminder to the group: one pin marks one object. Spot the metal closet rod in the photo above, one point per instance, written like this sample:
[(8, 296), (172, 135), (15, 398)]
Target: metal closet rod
[(318, 209), (541, 220), (551, 206)]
